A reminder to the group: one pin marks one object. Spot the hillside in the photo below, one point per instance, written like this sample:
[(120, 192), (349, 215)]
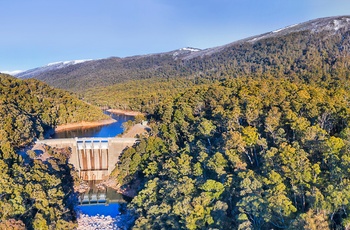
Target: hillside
[(310, 51), (315, 52), (244, 153), (36, 194), (30, 107)]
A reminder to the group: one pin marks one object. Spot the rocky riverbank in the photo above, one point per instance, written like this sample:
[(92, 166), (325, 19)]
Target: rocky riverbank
[(86, 222), (122, 221), (84, 124)]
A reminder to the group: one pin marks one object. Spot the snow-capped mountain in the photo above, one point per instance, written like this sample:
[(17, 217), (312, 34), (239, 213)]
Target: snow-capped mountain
[(284, 51), (51, 66), (328, 25)]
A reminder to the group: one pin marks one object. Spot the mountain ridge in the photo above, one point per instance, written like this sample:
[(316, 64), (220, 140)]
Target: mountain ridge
[(62, 64), (264, 53), (319, 22)]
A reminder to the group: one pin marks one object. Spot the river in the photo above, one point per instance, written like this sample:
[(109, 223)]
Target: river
[(110, 208)]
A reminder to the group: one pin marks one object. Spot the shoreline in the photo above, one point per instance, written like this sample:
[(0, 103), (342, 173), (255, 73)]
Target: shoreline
[(84, 124), (125, 112)]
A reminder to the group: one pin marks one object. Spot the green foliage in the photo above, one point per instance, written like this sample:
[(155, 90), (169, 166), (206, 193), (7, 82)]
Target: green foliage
[(246, 153), (30, 108), (139, 95), (39, 194), (36, 194)]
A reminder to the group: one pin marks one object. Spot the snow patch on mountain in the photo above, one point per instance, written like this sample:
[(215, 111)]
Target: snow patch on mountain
[(68, 62), (184, 51), (51, 66), (337, 24), (13, 72), (256, 38), (190, 49), (279, 30), (331, 25)]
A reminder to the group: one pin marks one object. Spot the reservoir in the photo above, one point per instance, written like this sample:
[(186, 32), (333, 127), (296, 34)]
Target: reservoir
[(110, 130)]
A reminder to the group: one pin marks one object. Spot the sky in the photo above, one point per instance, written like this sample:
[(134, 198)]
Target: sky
[(37, 32)]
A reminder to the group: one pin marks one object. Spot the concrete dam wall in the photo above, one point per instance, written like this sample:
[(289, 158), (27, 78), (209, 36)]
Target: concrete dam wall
[(94, 158)]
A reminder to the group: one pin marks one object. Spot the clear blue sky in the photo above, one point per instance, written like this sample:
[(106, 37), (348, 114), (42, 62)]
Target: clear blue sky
[(37, 32)]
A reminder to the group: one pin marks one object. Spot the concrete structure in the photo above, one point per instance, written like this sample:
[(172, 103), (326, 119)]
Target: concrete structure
[(94, 158)]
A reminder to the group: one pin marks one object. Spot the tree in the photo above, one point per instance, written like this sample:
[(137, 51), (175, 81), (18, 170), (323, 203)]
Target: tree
[(280, 206)]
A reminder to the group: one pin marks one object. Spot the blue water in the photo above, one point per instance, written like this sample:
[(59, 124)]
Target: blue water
[(110, 130), (107, 210)]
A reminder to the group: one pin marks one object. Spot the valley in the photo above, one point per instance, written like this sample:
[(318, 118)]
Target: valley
[(249, 135)]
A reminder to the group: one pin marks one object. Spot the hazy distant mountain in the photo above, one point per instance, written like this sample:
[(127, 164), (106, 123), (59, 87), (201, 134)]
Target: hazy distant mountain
[(291, 51)]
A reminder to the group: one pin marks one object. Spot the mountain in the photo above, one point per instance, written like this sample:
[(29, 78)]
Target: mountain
[(109, 71), (329, 26), (296, 51)]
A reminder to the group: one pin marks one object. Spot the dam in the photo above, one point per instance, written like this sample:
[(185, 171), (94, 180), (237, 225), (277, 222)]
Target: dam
[(93, 158)]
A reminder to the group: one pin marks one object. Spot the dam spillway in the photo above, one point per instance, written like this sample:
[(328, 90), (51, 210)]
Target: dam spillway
[(93, 158)]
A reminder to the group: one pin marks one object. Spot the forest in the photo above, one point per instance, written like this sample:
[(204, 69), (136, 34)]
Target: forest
[(36, 194), (255, 136), (244, 153)]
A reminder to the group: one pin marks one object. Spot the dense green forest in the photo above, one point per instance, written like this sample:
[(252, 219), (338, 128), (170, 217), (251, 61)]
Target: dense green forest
[(36, 194), (140, 95), (245, 153)]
